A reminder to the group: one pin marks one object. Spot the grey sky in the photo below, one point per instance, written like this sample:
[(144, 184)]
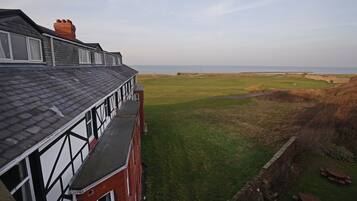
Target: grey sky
[(207, 32)]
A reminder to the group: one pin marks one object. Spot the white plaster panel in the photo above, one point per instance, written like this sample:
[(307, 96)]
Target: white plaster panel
[(76, 144), (55, 192), (66, 177), (48, 159), (85, 152), (81, 129), (63, 160), (77, 162)]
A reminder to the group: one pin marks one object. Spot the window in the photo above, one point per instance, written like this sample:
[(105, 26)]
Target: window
[(84, 56), (19, 47), (114, 61), (5, 46), (15, 47), (98, 58), (127, 181), (19, 182), (108, 197), (89, 121), (34, 49), (106, 107)]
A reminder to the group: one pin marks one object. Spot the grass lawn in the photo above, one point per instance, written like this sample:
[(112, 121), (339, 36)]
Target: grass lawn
[(311, 182), (202, 146)]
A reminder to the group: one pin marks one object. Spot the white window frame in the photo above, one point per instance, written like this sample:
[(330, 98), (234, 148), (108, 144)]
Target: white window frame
[(27, 179), (87, 55), (10, 48), (127, 181), (28, 49), (114, 61), (96, 56), (112, 198), (11, 60)]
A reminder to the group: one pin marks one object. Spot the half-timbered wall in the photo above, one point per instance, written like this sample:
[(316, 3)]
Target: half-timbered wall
[(61, 158)]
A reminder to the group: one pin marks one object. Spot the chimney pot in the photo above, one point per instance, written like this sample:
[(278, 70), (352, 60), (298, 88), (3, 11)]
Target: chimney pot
[(65, 28)]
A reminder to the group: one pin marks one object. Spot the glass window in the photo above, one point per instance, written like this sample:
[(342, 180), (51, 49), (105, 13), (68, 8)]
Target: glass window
[(84, 56), (15, 175), (106, 107), (98, 58), (23, 193), (18, 181), (19, 47), (35, 49), (113, 59), (89, 124), (4, 46), (108, 197)]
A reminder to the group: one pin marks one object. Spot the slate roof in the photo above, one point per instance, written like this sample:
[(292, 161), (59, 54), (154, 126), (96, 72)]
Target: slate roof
[(36, 101), (111, 152)]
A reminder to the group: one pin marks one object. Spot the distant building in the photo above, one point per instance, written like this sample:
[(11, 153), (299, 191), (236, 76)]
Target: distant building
[(71, 116)]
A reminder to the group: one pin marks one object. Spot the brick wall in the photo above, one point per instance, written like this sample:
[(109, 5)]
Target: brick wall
[(272, 176)]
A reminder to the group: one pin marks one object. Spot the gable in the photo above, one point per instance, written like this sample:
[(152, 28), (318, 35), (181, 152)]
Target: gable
[(16, 24)]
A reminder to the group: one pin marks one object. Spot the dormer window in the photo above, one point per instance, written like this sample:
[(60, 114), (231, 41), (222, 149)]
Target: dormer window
[(114, 61), (19, 48), (5, 46), (98, 58), (35, 52), (84, 56)]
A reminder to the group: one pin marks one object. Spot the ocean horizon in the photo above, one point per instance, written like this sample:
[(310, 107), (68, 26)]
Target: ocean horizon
[(174, 69)]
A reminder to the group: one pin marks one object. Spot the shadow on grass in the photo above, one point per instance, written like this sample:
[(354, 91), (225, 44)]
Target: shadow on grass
[(189, 158)]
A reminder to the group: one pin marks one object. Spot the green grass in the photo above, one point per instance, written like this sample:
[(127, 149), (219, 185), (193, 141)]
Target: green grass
[(310, 180), (191, 152)]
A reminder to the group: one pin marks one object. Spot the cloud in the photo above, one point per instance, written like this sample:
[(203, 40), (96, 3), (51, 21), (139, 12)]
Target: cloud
[(227, 7)]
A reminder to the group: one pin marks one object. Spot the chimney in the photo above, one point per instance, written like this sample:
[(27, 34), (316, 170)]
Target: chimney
[(65, 28)]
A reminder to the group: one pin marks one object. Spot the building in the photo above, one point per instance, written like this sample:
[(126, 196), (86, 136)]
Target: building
[(71, 116)]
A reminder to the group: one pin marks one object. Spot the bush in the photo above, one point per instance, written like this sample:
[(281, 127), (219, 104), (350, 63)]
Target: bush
[(339, 152)]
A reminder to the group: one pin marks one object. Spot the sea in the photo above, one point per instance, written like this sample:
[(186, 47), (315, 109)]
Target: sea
[(174, 69)]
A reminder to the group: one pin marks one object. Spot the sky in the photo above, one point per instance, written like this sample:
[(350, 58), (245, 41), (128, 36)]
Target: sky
[(211, 32)]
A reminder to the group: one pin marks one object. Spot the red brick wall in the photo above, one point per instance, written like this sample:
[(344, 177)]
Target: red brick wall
[(140, 93), (118, 182)]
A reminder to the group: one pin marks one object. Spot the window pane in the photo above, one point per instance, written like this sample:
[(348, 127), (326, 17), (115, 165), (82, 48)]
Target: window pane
[(35, 49), (88, 116), (23, 193), (88, 56), (98, 58), (15, 175), (19, 48), (89, 129), (4, 46), (105, 198)]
